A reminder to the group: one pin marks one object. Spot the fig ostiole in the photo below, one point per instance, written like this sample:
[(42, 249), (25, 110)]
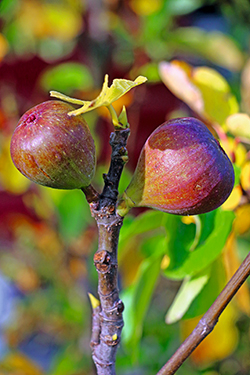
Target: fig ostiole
[(182, 169), (54, 149)]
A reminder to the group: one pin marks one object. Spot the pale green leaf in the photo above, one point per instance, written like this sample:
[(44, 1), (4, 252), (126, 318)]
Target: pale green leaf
[(107, 96), (217, 280), (239, 125), (215, 46), (67, 77), (180, 7), (189, 289)]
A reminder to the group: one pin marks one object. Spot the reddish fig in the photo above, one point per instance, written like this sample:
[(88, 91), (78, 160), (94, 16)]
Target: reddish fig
[(53, 149), (182, 170)]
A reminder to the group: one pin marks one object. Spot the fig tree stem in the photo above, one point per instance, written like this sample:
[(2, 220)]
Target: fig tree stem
[(91, 194), (209, 319), (107, 318)]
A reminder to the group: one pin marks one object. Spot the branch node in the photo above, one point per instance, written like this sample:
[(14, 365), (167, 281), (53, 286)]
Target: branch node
[(102, 260), (109, 340), (115, 310), (207, 326), (119, 307), (101, 363)]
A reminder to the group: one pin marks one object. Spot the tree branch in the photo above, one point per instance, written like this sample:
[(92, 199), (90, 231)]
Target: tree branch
[(208, 321), (107, 318)]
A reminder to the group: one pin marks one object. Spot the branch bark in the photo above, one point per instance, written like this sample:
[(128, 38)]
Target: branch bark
[(107, 318), (208, 321)]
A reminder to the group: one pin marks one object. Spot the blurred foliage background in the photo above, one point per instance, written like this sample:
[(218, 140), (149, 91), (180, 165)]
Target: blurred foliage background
[(195, 54)]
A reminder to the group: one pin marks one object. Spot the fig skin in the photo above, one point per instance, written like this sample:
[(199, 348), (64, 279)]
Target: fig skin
[(53, 149), (182, 170)]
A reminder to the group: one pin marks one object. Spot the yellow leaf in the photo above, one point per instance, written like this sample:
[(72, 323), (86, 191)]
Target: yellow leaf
[(233, 200), (242, 219), (176, 77), (165, 262), (232, 263), (188, 219), (10, 178), (233, 147), (62, 22), (220, 343), (210, 77), (240, 153), (202, 88), (107, 96), (3, 46), (239, 125), (45, 19), (18, 363), (126, 100), (94, 301), (245, 176), (219, 102), (145, 7)]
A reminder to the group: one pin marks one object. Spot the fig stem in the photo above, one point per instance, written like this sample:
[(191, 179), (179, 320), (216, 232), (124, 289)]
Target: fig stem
[(124, 205), (91, 194), (209, 319), (107, 317)]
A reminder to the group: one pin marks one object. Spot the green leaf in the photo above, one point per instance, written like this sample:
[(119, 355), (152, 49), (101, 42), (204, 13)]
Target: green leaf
[(217, 280), (71, 361), (107, 96), (145, 222), (180, 7), (151, 71), (189, 289), (137, 299), (123, 119), (207, 225), (237, 172), (73, 214), (145, 226), (8, 8), (215, 46), (188, 263), (67, 77), (180, 238)]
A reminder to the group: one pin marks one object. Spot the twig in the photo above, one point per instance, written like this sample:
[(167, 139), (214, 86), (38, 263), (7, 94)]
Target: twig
[(208, 321), (107, 319)]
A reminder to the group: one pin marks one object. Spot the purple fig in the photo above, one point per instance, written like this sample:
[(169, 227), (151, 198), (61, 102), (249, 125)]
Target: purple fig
[(53, 149), (182, 170)]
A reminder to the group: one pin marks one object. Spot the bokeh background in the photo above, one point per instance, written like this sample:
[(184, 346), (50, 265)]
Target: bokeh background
[(195, 54)]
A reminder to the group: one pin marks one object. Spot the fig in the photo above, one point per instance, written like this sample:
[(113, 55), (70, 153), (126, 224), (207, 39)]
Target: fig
[(182, 169), (54, 149)]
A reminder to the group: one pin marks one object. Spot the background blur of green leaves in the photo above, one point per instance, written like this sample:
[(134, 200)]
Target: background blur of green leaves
[(195, 54)]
